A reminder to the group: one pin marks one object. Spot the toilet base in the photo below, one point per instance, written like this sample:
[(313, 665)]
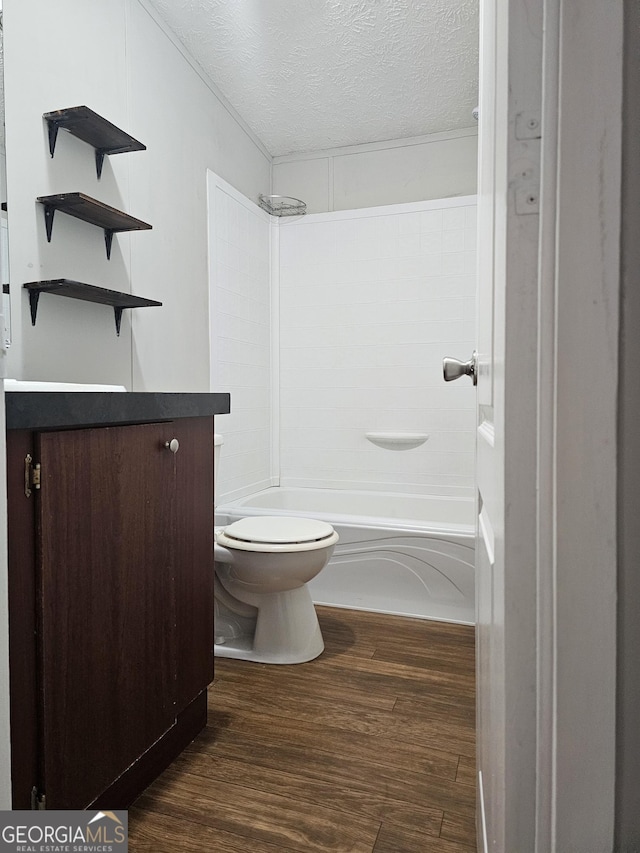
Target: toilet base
[(286, 631)]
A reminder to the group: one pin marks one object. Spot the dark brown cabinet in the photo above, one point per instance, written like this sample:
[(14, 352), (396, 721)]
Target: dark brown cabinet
[(111, 607)]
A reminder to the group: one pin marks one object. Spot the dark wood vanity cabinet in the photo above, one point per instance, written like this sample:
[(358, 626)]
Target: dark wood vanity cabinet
[(111, 607)]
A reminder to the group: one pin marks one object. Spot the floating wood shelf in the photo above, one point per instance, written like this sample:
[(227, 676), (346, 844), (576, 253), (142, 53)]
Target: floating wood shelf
[(90, 210), (92, 128), (88, 293)]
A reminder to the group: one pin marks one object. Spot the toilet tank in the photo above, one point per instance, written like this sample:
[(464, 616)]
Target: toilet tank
[(217, 444)]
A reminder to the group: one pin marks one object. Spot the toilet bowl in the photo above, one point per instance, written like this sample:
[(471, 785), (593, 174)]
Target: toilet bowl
[(263, 608)]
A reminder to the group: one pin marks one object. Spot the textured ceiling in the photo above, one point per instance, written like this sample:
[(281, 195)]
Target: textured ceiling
[(313, 74)]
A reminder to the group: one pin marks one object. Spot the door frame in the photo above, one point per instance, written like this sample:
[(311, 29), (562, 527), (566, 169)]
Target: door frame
[(579, 284), (573, 440)]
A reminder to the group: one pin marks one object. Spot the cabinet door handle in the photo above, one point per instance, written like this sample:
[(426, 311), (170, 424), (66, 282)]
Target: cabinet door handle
[(173, 445)]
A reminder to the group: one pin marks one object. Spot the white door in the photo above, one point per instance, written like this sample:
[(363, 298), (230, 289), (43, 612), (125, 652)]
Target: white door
[(509, 168), (508, 224), (490, 667), (546, 423)]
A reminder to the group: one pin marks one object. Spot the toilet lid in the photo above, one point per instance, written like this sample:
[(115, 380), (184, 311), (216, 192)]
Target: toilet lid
[(278, 530)]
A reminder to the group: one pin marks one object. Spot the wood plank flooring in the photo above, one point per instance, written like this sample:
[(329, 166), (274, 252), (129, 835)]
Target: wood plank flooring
[(368, 749)]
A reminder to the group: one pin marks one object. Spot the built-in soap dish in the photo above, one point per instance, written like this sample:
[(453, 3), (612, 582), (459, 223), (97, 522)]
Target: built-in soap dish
[(397, 440)]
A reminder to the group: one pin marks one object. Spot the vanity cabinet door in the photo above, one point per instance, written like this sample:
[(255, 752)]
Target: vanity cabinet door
[(107, 634), (111, 607), (193, 558)]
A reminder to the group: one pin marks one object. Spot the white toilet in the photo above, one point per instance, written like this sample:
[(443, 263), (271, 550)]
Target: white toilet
[(263, 608)]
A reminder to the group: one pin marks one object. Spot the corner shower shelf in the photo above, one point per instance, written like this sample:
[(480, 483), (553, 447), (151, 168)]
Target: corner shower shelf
[(86, 292), (92, 128), (90, 210)]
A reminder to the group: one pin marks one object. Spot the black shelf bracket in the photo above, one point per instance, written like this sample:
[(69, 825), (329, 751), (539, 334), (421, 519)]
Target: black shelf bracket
[(49, 212), (34, 296), (53, 136), (100, 155), (108, 240), (117, 311)]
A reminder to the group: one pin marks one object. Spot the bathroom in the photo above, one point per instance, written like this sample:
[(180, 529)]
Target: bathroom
[(119, 58)]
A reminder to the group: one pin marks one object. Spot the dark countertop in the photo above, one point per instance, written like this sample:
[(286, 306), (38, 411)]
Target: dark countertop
[(41, 410)]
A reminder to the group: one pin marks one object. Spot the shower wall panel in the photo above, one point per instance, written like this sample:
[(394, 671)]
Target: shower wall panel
[(370, 302), (241, 339)]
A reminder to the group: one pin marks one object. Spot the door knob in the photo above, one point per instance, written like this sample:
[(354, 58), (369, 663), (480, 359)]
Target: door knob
[(454, 369), (173, 445)]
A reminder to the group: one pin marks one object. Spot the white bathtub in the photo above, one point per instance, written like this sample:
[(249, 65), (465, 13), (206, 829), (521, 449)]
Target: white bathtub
[(407, 555)]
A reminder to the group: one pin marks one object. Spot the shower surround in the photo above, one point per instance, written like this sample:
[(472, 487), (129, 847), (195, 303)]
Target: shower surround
[(329, 326)]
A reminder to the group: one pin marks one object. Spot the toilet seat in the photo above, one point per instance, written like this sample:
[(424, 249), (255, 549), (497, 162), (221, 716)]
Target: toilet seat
[(277, 533), (278, 529)]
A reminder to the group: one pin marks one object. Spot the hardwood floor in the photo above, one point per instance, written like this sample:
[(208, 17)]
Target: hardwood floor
[(368, 749)]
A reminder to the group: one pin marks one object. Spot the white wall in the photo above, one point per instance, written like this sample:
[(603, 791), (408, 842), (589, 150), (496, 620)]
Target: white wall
[(242, 337), (428, 167), (370, 303), (113, 56)]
